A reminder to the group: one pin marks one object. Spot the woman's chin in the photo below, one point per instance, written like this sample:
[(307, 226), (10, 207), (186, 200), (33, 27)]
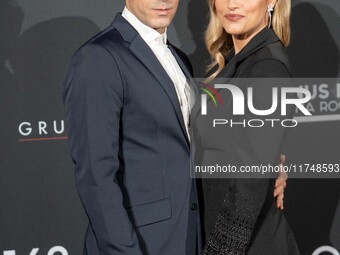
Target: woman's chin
[(234, 31)]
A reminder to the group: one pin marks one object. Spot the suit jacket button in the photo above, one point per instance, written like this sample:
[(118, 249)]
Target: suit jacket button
[(193, 206)]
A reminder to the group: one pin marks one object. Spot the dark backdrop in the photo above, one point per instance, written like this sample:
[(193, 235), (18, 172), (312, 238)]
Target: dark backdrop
[(40, 212)]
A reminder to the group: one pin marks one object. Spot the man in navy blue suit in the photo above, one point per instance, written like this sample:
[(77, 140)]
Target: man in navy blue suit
[(127, 114), (126, 107)]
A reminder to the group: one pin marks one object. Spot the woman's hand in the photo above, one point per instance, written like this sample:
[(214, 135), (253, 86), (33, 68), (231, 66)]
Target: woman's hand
[(280, 184)]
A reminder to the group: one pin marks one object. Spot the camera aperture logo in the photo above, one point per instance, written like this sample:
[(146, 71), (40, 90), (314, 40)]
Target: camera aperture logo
[(283, 99), (211, 92)]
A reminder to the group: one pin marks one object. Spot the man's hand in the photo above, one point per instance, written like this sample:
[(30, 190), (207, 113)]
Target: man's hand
[(280, 184)]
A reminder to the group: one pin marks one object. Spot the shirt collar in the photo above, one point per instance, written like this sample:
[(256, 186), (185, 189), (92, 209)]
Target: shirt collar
[(147, 33)]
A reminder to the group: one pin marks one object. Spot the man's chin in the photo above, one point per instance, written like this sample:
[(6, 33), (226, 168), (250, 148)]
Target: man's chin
[(160, 25)]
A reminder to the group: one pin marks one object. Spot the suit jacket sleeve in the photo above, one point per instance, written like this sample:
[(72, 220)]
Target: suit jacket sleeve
[(248, 199), (93, 99)]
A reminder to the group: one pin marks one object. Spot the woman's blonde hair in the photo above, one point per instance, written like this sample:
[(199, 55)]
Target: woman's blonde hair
[(219, 43)]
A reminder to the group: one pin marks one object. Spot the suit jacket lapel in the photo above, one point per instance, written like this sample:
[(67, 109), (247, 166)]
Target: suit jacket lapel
[(180, 62), (263, 38), (143, 52)]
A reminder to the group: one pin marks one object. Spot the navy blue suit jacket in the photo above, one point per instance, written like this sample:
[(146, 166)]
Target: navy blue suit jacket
[(130, 148)]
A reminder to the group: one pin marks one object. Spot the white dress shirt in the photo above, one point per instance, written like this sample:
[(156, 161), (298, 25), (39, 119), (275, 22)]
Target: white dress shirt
[(158, 44)]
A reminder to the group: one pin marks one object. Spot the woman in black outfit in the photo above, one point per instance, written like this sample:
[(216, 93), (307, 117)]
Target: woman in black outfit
[(247, 39)]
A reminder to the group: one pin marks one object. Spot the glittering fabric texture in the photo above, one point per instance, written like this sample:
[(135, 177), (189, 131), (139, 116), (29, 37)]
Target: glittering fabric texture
[(234, 226)]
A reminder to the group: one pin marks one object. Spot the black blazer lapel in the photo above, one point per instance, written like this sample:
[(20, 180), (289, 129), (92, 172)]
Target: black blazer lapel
[(264, 37), (143, 52)]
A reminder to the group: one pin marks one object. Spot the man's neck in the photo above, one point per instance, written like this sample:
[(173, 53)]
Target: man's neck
[(160, 30)]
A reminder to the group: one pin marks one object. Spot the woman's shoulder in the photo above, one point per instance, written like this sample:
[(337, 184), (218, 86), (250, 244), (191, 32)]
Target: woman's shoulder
[(271, 61)]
